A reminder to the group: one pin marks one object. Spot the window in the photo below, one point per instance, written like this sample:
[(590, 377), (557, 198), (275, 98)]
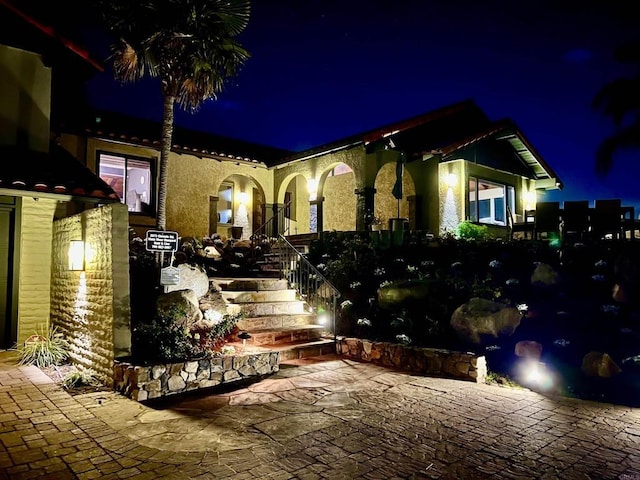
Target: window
[(488, 201), (340, 169), (130, 178), (225, 203)]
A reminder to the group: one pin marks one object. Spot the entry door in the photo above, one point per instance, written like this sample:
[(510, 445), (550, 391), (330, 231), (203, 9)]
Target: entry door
[(6, 276), (257, 210)]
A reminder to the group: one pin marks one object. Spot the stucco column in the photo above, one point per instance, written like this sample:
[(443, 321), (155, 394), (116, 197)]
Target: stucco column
[(364, 204), (415, 211)]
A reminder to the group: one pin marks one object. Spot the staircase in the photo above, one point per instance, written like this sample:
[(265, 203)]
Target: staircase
[(276, 318)]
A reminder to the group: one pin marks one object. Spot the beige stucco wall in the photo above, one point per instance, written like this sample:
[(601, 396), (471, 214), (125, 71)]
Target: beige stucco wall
[(25, 98), (452, 202), (340, 203), (192, 182), (385, 204), (91, 307), (34, 284), (318, 168)]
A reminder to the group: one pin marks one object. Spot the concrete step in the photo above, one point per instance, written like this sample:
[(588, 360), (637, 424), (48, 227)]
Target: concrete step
[(272, 308), (303, 349), (249, 284), (286, 335), (266, 322), (259, 296)]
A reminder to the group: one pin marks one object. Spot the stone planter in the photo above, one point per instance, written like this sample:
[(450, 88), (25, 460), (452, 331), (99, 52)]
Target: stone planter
[(160, 380), (426, 361)]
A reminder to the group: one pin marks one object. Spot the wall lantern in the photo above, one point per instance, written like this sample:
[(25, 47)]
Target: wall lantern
[(243, 198), (312, 187), (530, 199), (76, 255), (451, 180)]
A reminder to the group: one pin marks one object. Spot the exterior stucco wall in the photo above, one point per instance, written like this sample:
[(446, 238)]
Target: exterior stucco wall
[(192, 182), (340, 203), (25, 99), (317, 168), (452, 204), (34, 285), (91, 307), (386, 205), (453, 199)]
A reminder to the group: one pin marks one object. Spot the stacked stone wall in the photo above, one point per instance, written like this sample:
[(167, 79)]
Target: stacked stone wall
[(160, 380), (426, 361)]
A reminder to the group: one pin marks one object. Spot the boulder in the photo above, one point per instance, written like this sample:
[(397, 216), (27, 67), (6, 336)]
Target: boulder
[(480, 316), (528, 349), (185, 300), (598, 364), (545, 275), (191, 278)]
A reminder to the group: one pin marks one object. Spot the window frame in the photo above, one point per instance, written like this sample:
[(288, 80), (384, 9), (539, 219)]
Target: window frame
[(152, 161), (508, 194)]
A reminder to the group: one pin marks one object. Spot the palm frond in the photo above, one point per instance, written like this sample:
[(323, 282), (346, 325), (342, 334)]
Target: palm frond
[(627, 137)]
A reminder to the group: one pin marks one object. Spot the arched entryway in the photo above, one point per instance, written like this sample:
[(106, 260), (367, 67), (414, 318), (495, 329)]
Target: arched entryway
[(336, 192), (386, 205), (240, 203)]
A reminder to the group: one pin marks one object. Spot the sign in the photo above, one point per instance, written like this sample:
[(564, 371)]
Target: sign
[(170, 276), (161, 241)]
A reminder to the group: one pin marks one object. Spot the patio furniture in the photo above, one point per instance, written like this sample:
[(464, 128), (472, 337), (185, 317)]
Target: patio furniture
[(575, 219), (547, 220), (607, 219), (524, 225)]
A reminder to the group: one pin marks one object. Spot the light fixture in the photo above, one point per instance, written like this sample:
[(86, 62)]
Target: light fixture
[(243, 198), (312, 187), (529, 197), (76, 255), (451, 180)]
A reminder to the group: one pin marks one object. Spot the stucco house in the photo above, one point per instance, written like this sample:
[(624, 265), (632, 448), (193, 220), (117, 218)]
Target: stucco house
[(456, 164), (51, 203)]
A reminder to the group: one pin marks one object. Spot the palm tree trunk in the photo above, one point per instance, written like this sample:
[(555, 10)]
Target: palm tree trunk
[(165, 150)]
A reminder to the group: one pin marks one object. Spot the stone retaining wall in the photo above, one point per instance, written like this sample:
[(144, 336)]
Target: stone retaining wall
[(148, 382), (426, 361)]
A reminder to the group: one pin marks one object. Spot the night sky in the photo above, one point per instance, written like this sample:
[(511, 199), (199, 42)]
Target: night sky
[(324, 70)]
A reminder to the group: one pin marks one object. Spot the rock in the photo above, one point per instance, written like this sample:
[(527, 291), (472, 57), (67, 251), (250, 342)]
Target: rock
[(546, 275), (480, 316), (598, 364), (402, 292), (191, 278), (185, 300), (212, 252), (528, 349)]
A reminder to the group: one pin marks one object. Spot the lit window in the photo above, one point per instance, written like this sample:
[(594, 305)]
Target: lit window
[(488, 201), (130, 178), (340, 169)]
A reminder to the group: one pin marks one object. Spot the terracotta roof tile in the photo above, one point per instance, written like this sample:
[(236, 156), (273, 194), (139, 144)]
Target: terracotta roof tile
[(57, 172)]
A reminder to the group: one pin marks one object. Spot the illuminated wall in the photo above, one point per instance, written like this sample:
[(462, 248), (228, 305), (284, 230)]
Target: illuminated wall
[(91, 307)]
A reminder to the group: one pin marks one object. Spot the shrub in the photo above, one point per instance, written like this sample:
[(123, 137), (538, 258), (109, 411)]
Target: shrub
[(470, 231), (80, 378), (164, 338), (44, 349), (209, 334)]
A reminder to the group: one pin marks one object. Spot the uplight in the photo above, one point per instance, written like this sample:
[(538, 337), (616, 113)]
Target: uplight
[(76, 255)]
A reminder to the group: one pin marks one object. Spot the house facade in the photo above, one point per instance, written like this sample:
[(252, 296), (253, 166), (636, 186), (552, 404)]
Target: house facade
[(453, 163)]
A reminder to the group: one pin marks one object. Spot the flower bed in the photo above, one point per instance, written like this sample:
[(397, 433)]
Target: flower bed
[(163, 379), (426, 361)]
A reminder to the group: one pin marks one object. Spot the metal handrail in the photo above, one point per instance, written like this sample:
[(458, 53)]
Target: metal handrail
[(312, 286), (277, 225)]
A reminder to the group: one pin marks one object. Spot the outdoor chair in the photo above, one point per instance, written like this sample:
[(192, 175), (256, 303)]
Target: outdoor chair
[(524, 226), (607, 219), (547, 220), (575, 219)]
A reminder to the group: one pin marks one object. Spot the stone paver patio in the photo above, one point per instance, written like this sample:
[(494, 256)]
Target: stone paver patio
[(334, 419)]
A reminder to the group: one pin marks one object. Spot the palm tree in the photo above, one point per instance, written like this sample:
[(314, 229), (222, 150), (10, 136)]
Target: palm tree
[(188, 44), (620, 100)]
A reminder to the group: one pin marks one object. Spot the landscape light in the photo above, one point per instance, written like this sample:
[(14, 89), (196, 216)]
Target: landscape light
[(76, 255), (536, 375)]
